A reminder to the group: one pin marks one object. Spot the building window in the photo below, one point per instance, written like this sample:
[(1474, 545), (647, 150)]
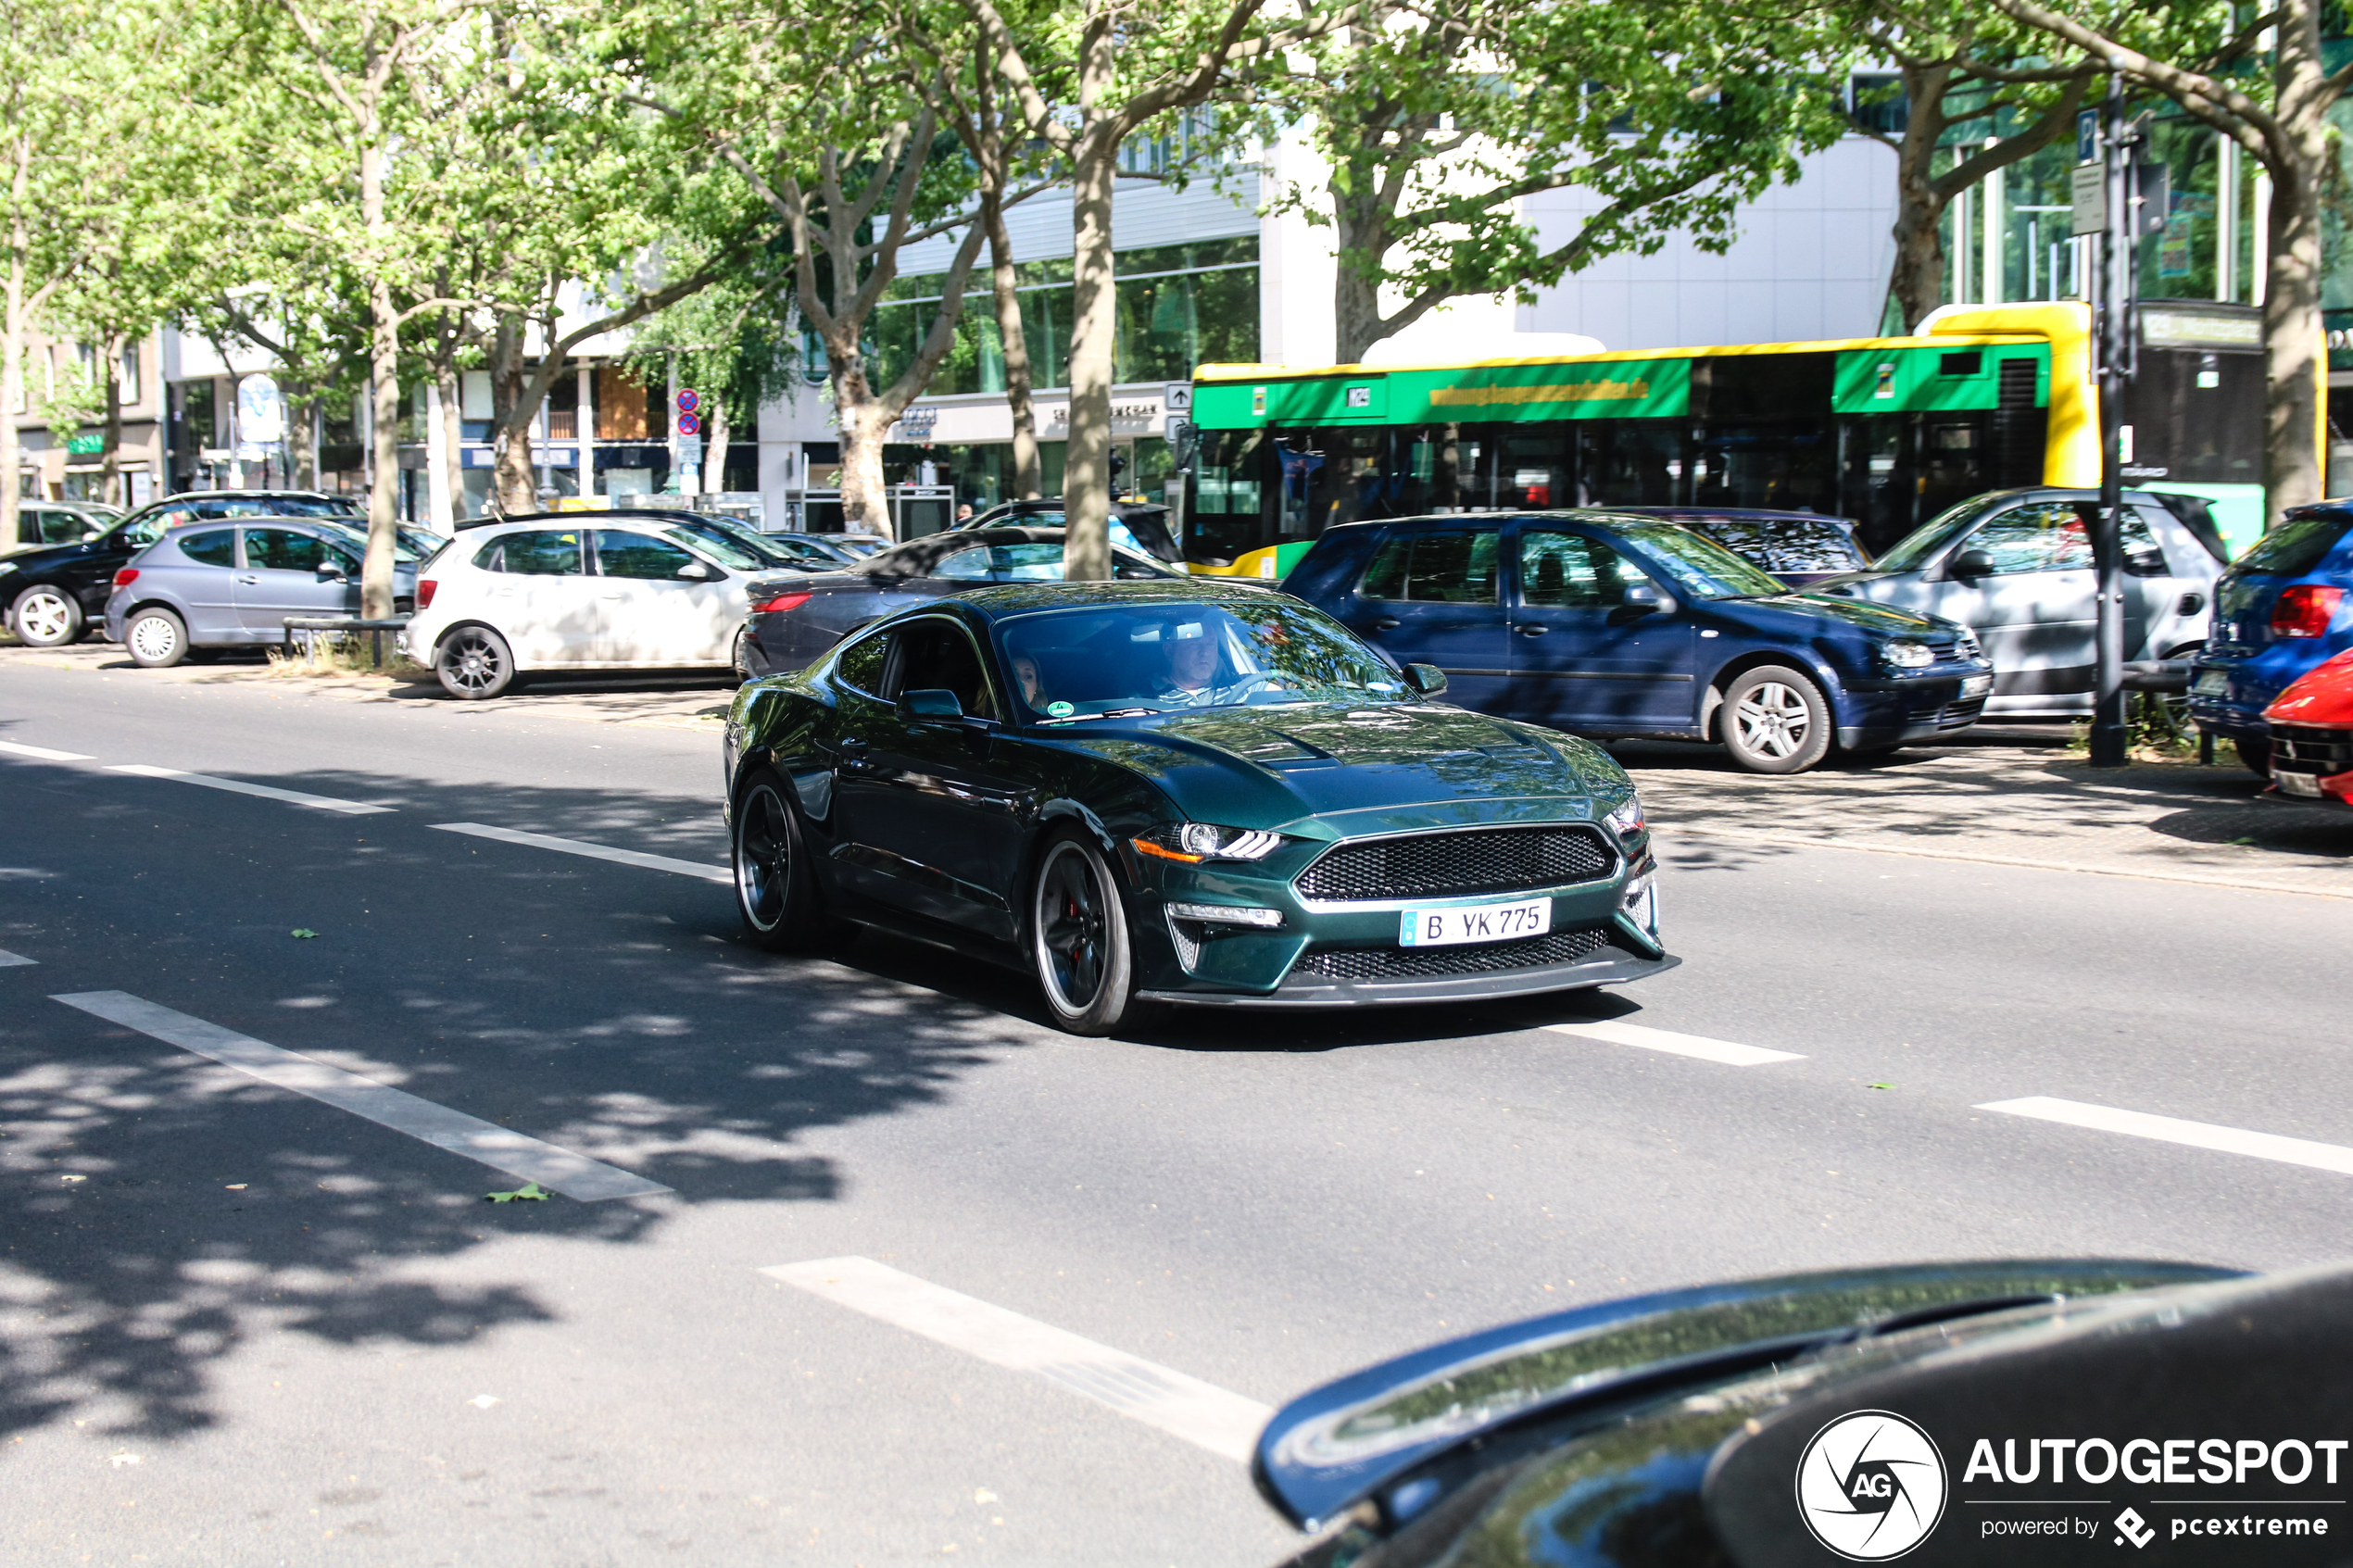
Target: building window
[(128, 384)]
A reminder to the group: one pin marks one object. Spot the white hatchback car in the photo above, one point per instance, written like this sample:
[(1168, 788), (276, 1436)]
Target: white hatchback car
[(609, 592)]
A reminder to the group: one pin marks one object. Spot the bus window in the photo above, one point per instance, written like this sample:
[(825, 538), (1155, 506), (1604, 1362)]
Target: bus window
[(1629, 462)]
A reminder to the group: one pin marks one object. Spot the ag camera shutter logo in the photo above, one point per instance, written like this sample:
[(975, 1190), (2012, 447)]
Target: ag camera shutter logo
[(1871, 1486)]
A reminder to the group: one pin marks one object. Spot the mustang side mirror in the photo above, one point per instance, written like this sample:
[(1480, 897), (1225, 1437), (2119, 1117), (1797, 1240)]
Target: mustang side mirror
[(1968, 566), (696, 572), (1427, 679), (929, 705)]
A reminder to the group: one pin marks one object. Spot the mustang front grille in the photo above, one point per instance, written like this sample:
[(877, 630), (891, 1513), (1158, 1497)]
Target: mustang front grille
[(1454, 865), (1413, 964)]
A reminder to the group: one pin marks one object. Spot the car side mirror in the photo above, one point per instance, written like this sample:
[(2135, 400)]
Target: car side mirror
[(696, 572), (2145, 560), (1645, 597), (330, 573), (1427, 679), (1968, 566), (929, 705)]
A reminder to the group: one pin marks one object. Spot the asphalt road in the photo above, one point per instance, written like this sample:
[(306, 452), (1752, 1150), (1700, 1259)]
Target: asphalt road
[(249, 1322)]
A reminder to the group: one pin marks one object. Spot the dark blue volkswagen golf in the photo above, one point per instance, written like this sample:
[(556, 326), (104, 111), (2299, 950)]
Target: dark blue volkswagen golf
[(1604, 624)]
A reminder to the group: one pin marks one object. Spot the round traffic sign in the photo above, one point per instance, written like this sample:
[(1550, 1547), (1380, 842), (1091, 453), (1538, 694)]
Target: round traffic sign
[(689, 425), (687, 401)]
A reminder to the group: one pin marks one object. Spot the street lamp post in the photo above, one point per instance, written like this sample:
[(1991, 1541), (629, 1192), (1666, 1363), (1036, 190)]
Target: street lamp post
[(2108, 738)]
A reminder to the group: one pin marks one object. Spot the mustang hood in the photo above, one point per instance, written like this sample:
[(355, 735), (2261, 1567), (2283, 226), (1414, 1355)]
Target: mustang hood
[(1264, 767)]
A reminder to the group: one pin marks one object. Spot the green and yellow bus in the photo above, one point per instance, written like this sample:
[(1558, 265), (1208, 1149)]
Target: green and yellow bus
[(1888, 432)]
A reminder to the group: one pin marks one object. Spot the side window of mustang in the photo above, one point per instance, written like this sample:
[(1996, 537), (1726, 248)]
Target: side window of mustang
[(937, 656), (861, 664)]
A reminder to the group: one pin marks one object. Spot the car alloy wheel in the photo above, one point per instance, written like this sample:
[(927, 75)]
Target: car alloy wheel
[(1079, 938), (1774, 721), (156, 638), (774, 892), (48, 619), (475, 664)]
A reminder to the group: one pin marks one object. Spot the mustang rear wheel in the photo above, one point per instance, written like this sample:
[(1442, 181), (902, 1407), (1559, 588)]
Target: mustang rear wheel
[(1079, 938), (47, 618), (474, 662), (1774, 721), (776, 890)]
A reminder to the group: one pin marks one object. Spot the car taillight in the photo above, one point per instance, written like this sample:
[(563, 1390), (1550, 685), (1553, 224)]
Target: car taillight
[(123, 579), (2304, 610), (781, 603), (424, 593)]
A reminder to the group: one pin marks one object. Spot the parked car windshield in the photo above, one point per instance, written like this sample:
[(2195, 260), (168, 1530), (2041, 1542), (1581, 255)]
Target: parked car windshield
[(1700, 567), (2294, 547), (1923, 543), (1782, 544), (312, 505), (1071, 664), (726, 543), (402, 554)]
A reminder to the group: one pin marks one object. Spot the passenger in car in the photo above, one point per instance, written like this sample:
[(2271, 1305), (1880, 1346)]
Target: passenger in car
[(1033, 688)]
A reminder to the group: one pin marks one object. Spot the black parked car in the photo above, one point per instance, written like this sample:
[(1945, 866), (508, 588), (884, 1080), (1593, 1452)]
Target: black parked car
[(1798, 548), (55, 595), (795, 619), (1141, 526), (1946, 1413)]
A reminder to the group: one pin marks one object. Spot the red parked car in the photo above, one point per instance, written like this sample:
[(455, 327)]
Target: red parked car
[(2312, 736)]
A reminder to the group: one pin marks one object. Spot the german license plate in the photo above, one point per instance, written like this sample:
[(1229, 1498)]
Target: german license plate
[(1474, 923), (1976, 685), (2306, 785), (2211, 682)]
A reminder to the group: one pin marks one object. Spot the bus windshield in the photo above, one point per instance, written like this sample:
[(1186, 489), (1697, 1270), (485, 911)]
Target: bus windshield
[(1919, 547), (1700, 567)]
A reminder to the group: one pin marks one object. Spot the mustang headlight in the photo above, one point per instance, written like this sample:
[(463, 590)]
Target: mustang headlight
[(1905, 654), (1627, 820), (1195, 842)]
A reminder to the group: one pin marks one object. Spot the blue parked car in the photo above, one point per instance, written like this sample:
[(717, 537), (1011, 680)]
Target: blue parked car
[(2280, 610), (1606, 624)]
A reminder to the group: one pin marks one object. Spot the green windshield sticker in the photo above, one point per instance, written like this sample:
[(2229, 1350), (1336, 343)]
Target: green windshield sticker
[(1060, 709)]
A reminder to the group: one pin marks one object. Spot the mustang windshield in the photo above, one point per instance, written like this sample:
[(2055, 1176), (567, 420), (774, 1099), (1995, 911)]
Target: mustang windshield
[(1162, 657)]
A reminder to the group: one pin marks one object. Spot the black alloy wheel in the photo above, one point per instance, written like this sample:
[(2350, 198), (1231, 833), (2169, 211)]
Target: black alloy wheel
[(475, 663), (1079, 938), (776, 887)]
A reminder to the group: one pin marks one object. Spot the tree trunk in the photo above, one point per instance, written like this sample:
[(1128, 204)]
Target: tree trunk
[(714, 451), (453, 435), (12, 336), (383, 392), (865, 502), (302, 417), (1917, 279), (2292, 324), (110, 454), (1093, 336), (1357, 318), (1014, 341), (513, 489)]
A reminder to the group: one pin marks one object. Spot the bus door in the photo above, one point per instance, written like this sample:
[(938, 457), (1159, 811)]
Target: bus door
[(1581, 658)]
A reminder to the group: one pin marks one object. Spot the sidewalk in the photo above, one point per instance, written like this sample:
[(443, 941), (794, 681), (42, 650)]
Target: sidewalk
[(687, 702), (2011, 796)]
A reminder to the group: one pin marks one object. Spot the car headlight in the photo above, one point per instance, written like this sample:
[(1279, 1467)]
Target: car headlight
[(1905, 654), (1626, 820), (1968, 646), (1195, 842)]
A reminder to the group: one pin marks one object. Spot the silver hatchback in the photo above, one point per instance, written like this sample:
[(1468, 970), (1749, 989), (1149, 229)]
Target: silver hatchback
[(211, 586), (2015, 566)]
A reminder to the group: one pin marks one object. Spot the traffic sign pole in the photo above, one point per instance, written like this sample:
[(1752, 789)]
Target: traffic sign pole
[(2118, 249)]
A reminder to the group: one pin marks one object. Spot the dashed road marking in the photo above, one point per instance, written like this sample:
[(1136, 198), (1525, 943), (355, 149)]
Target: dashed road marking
[(238, 786), (2171, 1129), (557, 1170), (1201, 1413), (1723, 1051), (18, 748), (594, 851), (14, 961)]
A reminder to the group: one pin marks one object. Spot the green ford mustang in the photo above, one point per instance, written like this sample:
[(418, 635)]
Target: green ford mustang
[(1180, 792)]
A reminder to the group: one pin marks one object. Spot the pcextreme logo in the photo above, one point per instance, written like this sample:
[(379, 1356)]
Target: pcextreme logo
[(1871, 1486)]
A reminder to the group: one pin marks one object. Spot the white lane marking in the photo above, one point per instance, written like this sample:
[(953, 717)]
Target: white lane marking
[(557, 1170), (2172, 1129), (594, 851), (1705, 1049), (19, 749), (238, 786), (1201, 1413), (13, 961)]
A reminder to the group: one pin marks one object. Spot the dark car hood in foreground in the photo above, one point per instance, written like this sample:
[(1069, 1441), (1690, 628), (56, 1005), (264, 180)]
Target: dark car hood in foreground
[(1326, 760)]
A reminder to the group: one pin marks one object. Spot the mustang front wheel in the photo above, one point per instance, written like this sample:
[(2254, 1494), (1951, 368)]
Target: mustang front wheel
[(1078, 939), (776, 889), (1774, 721)]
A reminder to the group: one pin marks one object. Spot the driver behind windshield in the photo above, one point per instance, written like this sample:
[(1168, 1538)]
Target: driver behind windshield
[(1191, 678)]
